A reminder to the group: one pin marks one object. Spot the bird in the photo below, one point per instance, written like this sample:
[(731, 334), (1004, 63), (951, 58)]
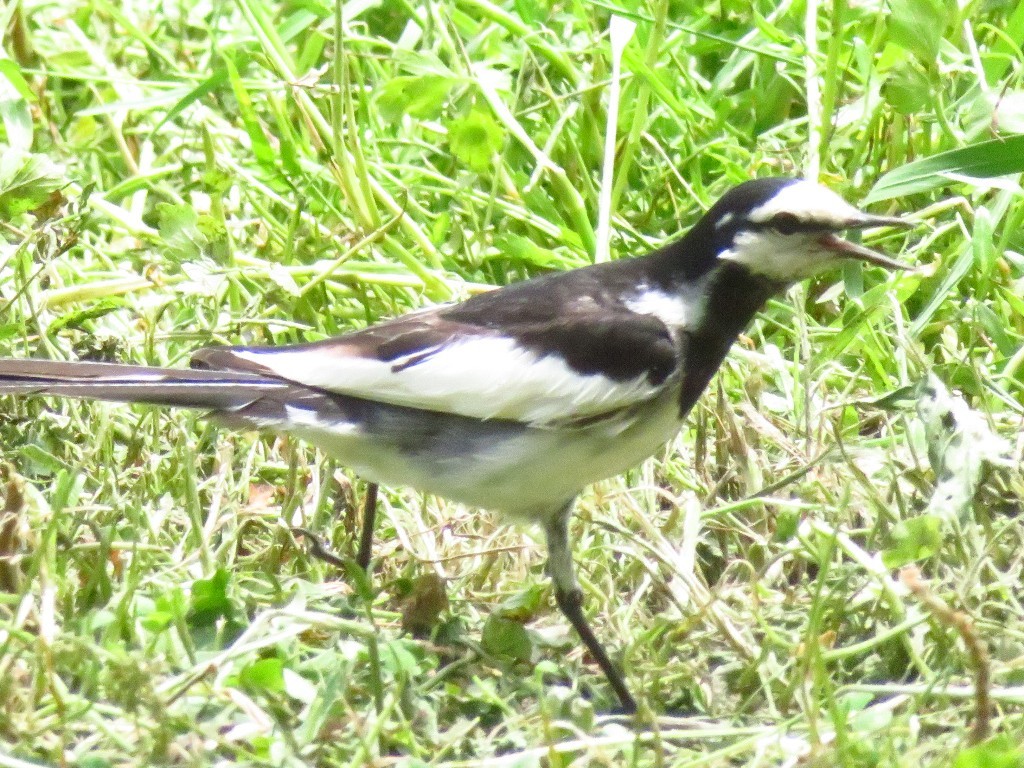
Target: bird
[(517, 399)]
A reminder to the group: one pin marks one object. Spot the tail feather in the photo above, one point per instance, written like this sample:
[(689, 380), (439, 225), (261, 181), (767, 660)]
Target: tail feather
[(186, 388)]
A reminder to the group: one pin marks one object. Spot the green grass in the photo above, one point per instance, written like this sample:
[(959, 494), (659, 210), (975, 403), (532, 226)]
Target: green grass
[(179, 174)]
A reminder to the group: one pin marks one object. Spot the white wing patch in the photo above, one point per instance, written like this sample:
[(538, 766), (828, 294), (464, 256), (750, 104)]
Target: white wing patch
[(808, 202), (675, 310), (481, 377)]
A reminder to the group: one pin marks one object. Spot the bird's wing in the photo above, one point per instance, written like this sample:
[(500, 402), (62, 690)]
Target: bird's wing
[(547, 371)]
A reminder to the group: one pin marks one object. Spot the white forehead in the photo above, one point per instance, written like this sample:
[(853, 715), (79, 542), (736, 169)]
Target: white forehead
[(808, 202)]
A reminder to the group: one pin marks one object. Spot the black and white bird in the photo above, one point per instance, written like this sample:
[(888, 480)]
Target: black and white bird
[(517, 399)]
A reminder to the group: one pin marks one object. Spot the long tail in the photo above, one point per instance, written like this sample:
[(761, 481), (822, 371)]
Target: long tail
[(188, 388)]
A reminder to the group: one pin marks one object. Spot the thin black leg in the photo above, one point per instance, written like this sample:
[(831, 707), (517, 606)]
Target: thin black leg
[(569, 597), (366, 533), (318, 549)]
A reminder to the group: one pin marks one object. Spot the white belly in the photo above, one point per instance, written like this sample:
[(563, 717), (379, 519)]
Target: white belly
[(521, 471)]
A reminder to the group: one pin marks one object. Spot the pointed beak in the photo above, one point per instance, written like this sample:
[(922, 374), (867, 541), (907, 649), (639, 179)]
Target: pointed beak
[(846, 250)]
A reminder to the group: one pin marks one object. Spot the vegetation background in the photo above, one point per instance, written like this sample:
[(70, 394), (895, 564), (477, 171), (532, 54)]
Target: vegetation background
[(175, 174)]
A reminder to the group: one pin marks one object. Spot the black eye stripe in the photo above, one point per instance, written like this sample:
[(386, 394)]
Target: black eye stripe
[(786, 223), (789, 225)]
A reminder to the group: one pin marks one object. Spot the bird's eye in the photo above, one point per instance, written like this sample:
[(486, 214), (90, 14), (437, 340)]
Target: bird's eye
[(785, 223)]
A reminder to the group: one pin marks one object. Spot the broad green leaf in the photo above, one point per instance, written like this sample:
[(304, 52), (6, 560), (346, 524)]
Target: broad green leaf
[(854, 701), (170, 606), (999, 752), (209, 600), (1003, 52), (179, 230), (12, 72), (157, 620), (422, 97), (38, 461), (917, 25), (871, 720), (504, 637), (400, 657), (26, 181), (475, 139), (906, 89), (522, 605), (263, 675), (531, 11), (786, 525), (912, 540), (996, 157)]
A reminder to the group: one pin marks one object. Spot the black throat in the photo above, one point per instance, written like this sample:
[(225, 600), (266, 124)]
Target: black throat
[(732, 296)]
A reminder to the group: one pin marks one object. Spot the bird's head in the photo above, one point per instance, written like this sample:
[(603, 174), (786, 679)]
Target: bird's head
[(785, 230)]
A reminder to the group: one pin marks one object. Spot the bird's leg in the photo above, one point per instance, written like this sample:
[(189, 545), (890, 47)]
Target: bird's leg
[(569, 597), (317, 548), (366, 533), (320, 551)]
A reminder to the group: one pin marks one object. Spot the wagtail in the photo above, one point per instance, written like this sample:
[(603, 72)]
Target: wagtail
[(517, 399)]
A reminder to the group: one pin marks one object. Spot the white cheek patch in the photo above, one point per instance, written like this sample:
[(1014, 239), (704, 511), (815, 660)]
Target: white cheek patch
[(482, 377), (808, 202), (781, 258)]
